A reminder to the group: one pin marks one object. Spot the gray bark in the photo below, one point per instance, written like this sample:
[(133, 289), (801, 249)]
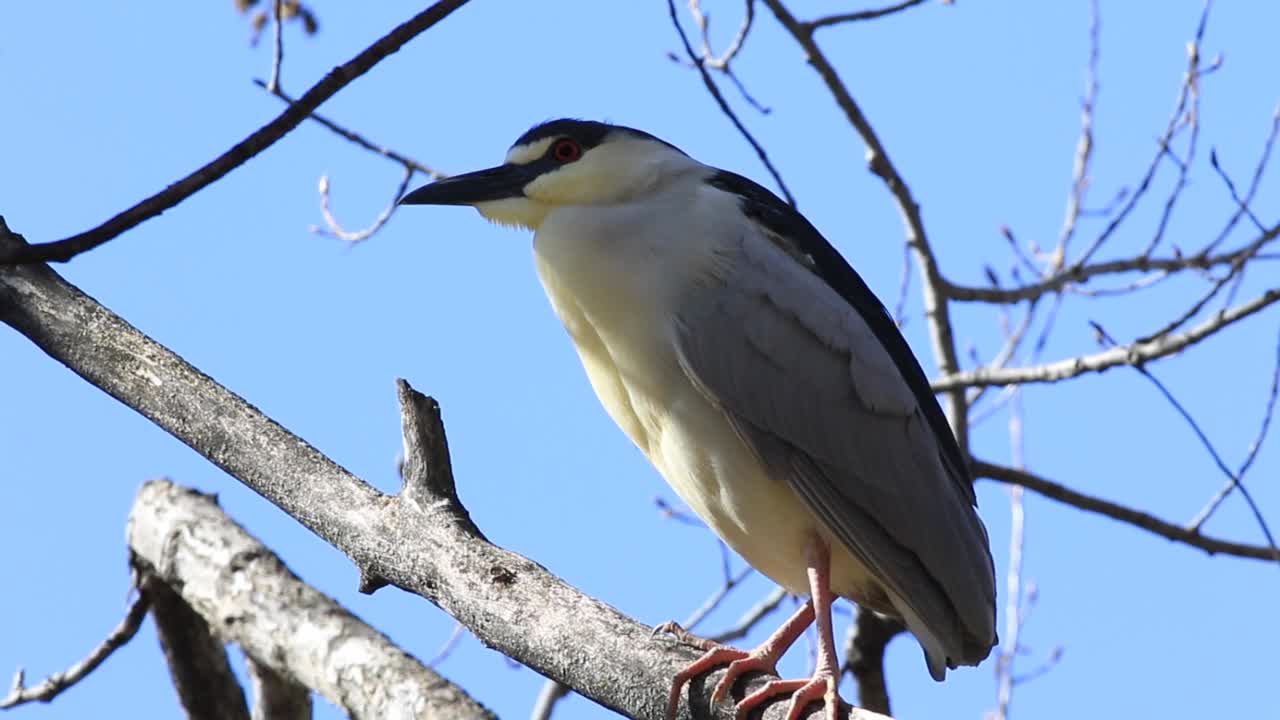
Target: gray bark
[(198, 664), (510, 603), (244, 591)]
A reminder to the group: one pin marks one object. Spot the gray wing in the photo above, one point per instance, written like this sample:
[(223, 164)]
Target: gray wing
[(805, 381)]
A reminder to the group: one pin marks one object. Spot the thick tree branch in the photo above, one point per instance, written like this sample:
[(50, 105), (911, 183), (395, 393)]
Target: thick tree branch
[(52, 686), (1146, 521), (241, 152), (198, 664), (1135, 354), (869, 636), (243, 589), (511, 604), (276, 697)]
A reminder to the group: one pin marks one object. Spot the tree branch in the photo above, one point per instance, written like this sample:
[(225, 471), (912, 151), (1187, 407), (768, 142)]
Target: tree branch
[(243, 589), (198, 664), (240, 153), (1135, 354), (1078, 274), (511, 604), (699, 63), (869, 636), (276, 697), (52, 686), (861, 15), (1146, 521)]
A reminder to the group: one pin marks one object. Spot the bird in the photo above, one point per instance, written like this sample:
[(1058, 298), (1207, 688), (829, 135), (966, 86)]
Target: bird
[(763, 379)]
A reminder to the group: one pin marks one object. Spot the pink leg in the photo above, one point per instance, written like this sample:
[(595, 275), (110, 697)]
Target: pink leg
[(764, 658), (824, 685)]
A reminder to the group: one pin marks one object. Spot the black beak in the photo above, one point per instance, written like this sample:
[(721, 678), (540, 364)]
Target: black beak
[(498, 183)]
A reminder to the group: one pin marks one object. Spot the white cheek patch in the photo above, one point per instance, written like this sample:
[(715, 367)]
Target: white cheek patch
[(525, 154)]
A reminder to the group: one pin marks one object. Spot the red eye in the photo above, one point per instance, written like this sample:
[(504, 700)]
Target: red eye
[(566, 150)]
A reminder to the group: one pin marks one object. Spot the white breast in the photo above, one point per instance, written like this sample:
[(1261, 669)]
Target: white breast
[(614, 276)]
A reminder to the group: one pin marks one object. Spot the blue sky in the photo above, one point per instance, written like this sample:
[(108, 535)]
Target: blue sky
[(978, 104)]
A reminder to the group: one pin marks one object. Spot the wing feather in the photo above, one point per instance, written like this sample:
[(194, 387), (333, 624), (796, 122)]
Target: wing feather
[(806, 381)]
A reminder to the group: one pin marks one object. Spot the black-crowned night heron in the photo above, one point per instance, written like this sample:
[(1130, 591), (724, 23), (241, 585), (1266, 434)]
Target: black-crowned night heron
[(764, 380)]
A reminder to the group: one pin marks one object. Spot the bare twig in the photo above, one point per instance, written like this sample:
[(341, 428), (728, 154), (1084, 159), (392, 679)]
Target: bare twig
[(724, 105), (1176, 122), (361, 140), (334, 229), (1242, 203), (1258, 169), (721, 62), (753, 615), (711, 603), (242, 152), (841, 18), (277, 52), (447, 648), (1137, 518), (552, 693), (1084, 147), (1205, 442), (869, 636), (1083, 273), (1019, 596), (904, 286), (1135, 354), (933, 283), (52, 686), (1250, 455)]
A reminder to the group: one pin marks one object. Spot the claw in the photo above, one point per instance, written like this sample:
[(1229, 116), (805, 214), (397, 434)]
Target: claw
[(715, 657), (822, 687), (682, 636)]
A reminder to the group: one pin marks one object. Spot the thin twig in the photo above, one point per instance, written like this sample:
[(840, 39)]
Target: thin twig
[(1250, 455), (752, 616), (1176, 122), (241, 152), (1135, 354), (360, 140), (1084, 146), (450, 643), (716, 598), (552, 692), (1206, 443), (861, 15), (1083, 273), (724, 105), (1258, 170), (50, 687), (1242, 204), (277, 53), (904, 286), (1146, 521), (334, 229)]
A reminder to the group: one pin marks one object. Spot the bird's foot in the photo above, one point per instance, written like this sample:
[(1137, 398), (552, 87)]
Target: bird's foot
[(823, 687), (684, 637), (716, 656)]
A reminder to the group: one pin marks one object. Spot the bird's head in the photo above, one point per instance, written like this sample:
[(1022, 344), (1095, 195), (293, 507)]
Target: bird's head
[(562, 163)]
